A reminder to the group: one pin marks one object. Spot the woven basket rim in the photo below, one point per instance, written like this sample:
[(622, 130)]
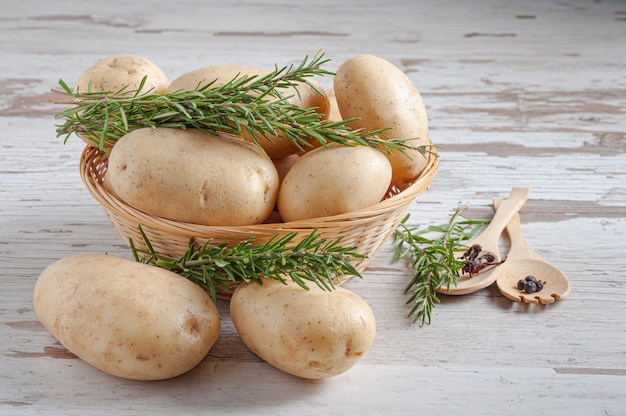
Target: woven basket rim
[(114, 204)]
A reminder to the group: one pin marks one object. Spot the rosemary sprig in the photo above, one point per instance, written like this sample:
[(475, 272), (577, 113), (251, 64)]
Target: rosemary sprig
[(246, 103), (313, 259), (432, 254)]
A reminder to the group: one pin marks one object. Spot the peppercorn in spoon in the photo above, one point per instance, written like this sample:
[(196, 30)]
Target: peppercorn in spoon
[(525, 264), (483, 256)]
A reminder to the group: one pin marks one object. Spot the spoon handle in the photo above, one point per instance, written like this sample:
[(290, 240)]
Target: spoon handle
[(508, 208), (519, 247)]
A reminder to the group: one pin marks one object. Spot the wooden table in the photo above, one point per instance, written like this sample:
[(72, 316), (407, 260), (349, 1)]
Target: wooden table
[(519, 94)]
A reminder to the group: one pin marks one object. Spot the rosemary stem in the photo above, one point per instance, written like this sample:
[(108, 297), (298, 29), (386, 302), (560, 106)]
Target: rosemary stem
[(431, 253), (313, 259), (247, 104)]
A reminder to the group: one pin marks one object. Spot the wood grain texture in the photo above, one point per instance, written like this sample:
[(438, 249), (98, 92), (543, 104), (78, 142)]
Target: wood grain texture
[(518, 93)]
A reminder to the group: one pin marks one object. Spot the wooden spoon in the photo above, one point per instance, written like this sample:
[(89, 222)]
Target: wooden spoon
[(523, 261), (489, 240)]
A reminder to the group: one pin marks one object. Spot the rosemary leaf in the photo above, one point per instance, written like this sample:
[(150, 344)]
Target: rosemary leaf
[(246, 103), (431, 254), (213, 266)]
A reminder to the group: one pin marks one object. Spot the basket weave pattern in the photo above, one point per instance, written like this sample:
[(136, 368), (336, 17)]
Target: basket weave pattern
[(367, 229)]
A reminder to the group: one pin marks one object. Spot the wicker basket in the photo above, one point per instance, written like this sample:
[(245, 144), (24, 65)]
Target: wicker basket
[(368, 229)]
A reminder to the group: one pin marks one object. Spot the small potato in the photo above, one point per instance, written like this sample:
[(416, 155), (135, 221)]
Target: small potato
[(380, 95), (128, 319), (311, 334), (333, 180), (284, 164), (193, 176), (116, 72), (304, 96)]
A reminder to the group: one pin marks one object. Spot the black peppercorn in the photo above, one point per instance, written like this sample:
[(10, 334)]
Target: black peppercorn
[(530, 284), (530, 287)]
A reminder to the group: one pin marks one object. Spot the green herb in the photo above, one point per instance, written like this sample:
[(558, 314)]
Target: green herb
[(432, 254), (313, 259), (252, 104)]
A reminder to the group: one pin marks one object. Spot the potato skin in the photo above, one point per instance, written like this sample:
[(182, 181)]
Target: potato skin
[(192, 176), (116, 72), (128, 319), (305, 97), (333, 180), (113, 73), (284, 164), (333, 113), (217, 75), (382, 96), (311, 334)]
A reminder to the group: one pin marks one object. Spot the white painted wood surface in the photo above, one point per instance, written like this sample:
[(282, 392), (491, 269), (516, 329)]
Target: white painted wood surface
[(519, 93)]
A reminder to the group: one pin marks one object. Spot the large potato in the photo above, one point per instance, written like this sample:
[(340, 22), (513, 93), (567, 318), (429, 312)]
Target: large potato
[(126, 318), (113, 73), (302, 95), (333, 180), (193, 176), (380, 95), (311, 334)]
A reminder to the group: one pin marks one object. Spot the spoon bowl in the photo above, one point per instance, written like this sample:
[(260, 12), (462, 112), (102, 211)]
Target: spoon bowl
[(523, 261), (489, 239)]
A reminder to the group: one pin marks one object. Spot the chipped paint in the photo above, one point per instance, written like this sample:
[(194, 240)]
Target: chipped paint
[(50, 352)]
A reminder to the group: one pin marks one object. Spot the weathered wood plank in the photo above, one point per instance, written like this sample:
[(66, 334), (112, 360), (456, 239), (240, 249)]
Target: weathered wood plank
[(518, 94)]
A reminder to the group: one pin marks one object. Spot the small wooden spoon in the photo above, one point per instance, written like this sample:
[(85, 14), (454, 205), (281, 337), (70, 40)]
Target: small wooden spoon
[(489, 240), (523, 261)]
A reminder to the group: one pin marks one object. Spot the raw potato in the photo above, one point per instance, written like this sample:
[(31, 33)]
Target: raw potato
[(128, 319), (284, 164), (333, 180), (311, 334), (193, 177), (217, 76), (381, 95), (116, 72), (305, 97), (333, 113)]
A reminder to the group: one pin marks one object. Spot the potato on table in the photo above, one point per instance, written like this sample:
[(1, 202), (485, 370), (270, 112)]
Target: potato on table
[(312, 334), (128, 319)]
